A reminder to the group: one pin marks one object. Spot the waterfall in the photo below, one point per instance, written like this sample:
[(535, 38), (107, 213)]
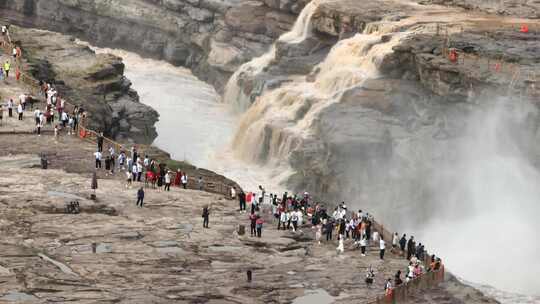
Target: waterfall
[(299, 32), (282, 119)]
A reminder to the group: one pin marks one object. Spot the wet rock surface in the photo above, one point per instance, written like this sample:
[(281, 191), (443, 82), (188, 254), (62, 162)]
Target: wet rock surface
[(159, 253)]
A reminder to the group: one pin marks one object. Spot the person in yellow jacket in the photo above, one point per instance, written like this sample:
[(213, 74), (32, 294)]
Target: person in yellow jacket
[(7, 67)]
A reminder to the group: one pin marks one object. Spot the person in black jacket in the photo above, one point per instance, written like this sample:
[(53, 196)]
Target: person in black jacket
[(205, 216), (403, 243), (140, 197), (411, 248), (242, 200), (100, 142)]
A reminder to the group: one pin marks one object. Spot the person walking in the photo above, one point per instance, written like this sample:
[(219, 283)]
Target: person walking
[(395, 241), (411, 248), (388, 287), (318, 234), (20, 111), (98, 156), (10, 107), (382, 247), (328, 229), (100, 141), (168, 181), (140, 197), (242, 200), (107, 164), (139, 170), (294, 220), (205, 215), (7, 68), (200, 183), (363, 244), (253, 224), (184, 180), (259, 225), (370, 276), (340, 248), (282, 220), (403, 243)]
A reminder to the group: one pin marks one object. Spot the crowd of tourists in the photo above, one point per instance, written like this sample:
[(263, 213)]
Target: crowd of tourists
[(293, 212), (144, 171)]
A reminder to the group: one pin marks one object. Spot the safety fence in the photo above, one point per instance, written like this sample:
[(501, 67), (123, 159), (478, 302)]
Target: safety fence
[(515, 76), (404, 291), (89, 135)]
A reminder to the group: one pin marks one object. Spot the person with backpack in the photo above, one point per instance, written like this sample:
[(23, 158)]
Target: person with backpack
[(403, 243), (205, 216)]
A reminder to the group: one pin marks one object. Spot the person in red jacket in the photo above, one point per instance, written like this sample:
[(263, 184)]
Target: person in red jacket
[(259, 223)]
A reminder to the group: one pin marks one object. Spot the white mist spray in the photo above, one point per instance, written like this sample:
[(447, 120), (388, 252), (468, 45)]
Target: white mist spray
[(485, 222)]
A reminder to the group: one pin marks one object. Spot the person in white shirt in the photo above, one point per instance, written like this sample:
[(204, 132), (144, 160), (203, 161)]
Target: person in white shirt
[(134, 171), (139, 171), (184, 180), (363, 244), (233, 193), (98, 156), (382, 247), (20, 111), (112, 153), (283, 219), (294, 220), (121, 160), (168, 181), (395, 241), (64, 119), (129, 177), (10, 107)]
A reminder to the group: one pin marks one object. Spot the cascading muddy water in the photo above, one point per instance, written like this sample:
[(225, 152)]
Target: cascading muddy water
[(282, 119), (234, 93)]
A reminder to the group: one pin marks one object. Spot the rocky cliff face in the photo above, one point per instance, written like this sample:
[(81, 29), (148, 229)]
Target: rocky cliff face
[(357, 138), (94, 82), (212, 37)]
